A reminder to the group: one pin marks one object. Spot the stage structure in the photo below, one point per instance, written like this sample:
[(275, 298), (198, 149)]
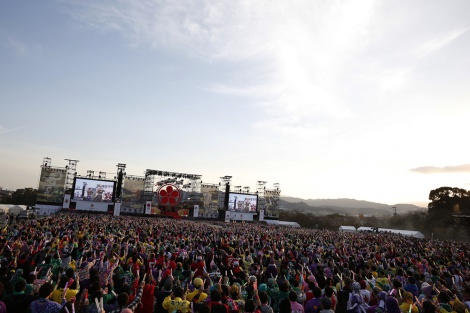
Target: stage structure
[(51, 183), (271, 197), (132, 197), (172, 193), (212, 200), (51, 188), (71, 173), (158, 192)]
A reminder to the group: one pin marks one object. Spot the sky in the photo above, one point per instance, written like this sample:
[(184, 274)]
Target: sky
[(366, 100)]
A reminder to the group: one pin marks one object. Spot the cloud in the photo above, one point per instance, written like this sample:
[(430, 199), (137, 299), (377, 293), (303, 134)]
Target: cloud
[(321, 61), (439, 42), (294, 55), (440, 170), (17, 46)]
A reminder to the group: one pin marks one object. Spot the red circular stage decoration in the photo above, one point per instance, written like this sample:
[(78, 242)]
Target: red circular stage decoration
[(169, 194)]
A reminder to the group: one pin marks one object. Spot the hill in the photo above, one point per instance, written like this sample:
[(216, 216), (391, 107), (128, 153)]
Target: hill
[(344, 206)]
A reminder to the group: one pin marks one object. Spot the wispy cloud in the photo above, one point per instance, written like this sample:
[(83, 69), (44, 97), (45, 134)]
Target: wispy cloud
[(17, 46), (440, 41), (439, 170), (299, 60), (296, 53), (4, 130)]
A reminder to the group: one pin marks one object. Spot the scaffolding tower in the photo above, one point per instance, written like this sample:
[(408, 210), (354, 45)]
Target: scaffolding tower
[(71, 173), (260, 190)]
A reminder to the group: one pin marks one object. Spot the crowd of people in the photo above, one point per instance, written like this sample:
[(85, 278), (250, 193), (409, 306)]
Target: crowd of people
[(72, 262)]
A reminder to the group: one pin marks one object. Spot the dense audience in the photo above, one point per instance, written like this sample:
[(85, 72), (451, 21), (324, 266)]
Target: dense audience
[(73, 262)]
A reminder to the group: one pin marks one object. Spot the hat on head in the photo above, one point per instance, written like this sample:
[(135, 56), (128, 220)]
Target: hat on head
[(408, 297), (234, 289), (198, 282), (271, 282), (263, 288)]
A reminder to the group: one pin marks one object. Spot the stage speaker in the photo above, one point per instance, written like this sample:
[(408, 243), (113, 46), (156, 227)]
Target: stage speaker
[(119, 185), (227, 191)]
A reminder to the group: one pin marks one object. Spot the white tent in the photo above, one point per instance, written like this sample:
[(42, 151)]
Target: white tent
[(4, 208), (348, 229), (282, 223), (11, 209), (407, 233)]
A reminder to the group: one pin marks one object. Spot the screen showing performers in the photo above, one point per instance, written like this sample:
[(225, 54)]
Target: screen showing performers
[(93, 190), (245, 203)]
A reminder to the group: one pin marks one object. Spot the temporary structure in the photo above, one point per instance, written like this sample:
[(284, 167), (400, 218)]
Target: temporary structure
[(283, 223), (348, 229), (407, 233), (11, 209)]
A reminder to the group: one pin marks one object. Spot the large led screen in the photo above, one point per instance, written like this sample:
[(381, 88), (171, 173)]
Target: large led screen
[(51, 185), (93, 190), (240, 202)]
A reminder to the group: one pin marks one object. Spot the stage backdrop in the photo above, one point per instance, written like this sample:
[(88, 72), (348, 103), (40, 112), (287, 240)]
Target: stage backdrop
[(51, 185), (210, 198), (133, 194), (272, 203)]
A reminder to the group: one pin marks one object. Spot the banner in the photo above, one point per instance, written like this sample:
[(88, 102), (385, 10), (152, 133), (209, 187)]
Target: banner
[(196, 211), (210, 197), (227, 216), (271, 198), (92, 206), (66, 203), (132, 194), (261, 215), (51, 185), (148, 207), (117, 208)]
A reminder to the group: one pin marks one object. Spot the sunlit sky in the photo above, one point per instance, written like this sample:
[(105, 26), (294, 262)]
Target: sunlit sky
[(331, 99)]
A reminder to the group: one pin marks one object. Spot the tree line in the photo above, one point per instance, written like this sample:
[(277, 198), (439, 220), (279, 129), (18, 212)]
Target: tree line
[(24, 196), (446, 205)]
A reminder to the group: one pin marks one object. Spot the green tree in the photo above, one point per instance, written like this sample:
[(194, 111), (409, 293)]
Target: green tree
[(446, 201), (26, 196)]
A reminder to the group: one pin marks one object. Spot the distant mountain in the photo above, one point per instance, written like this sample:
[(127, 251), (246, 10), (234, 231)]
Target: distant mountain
[(344, 206)]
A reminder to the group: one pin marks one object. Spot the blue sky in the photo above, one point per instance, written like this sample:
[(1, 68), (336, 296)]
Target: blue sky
[(330, 99)]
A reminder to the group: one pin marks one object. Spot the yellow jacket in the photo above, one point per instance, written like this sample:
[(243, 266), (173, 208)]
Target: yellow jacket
[(176, 304), (57, 294)]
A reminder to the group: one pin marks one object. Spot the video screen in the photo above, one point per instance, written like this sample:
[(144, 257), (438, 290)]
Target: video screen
[(93, 190), (240, 202)]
